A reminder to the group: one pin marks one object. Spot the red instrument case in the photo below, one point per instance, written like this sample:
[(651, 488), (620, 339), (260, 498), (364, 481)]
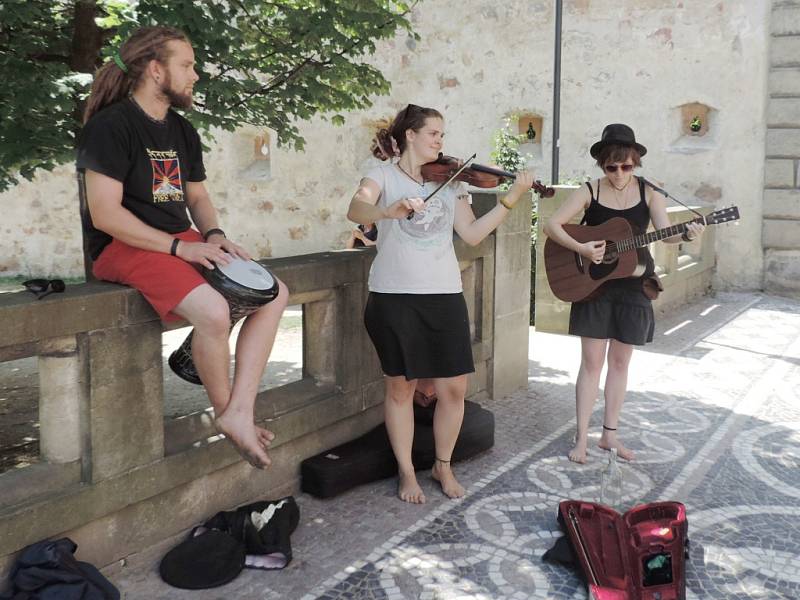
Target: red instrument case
[(636, 556)]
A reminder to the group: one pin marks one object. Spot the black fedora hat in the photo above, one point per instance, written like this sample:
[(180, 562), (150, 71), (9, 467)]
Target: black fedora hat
[(619, 134)]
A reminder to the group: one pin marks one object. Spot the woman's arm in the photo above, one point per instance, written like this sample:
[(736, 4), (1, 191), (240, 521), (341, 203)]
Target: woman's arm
[(472, 230), (658, 214), (364, 208), (554, 227)]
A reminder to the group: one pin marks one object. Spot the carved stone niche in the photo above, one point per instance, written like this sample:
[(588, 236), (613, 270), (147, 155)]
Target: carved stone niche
[(530, 127), (694, 119), (259, 163), (261, 147)]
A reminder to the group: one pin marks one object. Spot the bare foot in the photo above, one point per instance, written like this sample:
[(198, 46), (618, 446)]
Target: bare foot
[(578, 452), (243, 434), (607, 443), (265, 437), (408, 489), (442, 473)]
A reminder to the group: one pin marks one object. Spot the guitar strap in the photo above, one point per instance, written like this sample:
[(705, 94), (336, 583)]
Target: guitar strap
[(591, 193)]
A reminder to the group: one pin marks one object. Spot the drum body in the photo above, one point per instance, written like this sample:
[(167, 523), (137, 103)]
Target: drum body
[(247, 286)]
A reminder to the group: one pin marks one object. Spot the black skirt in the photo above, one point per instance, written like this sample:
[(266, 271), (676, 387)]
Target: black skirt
[(420, 335), (622, 312)]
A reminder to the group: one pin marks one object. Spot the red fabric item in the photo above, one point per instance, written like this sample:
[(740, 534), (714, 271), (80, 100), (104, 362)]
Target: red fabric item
[(163, 279)]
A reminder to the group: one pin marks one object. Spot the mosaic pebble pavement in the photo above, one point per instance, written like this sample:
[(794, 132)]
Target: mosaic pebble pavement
[(713, 413)]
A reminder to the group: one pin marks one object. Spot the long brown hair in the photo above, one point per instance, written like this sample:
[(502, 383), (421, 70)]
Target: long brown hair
[(111, 84), (391, 140)]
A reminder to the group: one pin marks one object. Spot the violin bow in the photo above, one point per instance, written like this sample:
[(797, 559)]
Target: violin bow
[(444, 183)]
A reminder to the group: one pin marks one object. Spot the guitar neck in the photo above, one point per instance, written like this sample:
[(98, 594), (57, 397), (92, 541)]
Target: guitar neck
[(645, 239)]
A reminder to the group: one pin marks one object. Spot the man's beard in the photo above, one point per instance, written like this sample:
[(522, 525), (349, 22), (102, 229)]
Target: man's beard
[(176, 99)]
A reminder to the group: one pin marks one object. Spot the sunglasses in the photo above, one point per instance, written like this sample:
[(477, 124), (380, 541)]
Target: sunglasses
[(613, 168), (44, 287)]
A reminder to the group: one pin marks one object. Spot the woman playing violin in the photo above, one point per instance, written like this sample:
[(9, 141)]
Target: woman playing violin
[(416, 315), (611, 324)]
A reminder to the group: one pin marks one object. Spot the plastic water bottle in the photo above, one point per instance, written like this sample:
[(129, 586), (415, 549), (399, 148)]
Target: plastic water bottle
[(611, 483)]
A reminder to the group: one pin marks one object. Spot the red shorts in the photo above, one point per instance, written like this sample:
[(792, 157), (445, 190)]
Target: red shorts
[(163, 279)]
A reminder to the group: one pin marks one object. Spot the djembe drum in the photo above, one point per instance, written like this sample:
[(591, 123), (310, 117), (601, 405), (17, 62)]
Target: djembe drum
[(247, 286)]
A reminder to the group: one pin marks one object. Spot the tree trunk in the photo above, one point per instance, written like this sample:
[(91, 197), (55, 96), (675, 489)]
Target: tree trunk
[(87, 38)]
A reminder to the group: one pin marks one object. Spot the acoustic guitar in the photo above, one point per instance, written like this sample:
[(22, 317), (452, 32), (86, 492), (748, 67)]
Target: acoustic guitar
[(574, 278)]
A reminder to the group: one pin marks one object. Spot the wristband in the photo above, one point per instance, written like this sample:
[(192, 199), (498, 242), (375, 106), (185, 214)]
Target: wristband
[(174, 249), (685, 237), (504, 203), (212, 231)]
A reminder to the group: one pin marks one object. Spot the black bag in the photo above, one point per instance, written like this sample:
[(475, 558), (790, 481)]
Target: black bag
[(256, 536), (49, 571), (362, 460), (370, 458)]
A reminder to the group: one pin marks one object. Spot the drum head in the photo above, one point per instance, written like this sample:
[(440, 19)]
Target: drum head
[(248, 273)]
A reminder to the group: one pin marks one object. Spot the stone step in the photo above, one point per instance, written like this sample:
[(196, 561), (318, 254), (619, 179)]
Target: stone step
[(782, 204), (781, 234), (783, 143), (784, 82), (785, 51), (783, 112), (781, 173), (786, 20)]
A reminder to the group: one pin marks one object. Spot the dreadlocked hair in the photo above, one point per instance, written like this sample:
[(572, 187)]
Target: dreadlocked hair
[(111, 84)]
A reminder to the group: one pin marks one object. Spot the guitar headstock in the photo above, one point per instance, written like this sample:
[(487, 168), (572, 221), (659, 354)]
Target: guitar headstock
[(724, 215)]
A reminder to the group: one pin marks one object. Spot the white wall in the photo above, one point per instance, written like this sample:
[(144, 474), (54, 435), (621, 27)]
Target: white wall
[(632, 61)]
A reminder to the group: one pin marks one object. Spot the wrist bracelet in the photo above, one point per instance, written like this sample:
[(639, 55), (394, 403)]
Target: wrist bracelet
[(504, 203), (212, 231), (174, 249), (685, 237)]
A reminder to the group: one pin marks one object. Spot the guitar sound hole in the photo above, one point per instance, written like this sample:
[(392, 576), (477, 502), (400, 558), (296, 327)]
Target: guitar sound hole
[(604, 268)]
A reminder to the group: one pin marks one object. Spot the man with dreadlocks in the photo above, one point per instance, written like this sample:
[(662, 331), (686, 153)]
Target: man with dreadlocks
[(143, 168)]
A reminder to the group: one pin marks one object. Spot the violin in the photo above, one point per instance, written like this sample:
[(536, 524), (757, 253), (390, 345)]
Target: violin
[(475, 175)]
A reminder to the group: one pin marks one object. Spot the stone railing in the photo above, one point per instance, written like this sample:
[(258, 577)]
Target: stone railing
[(685, 269), (116, 476)]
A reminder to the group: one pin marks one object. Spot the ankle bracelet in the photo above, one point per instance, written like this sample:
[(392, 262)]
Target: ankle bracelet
[(446, 462), (609, 428)]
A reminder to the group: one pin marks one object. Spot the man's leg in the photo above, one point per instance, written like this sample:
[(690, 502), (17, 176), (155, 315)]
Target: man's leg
[(208, 312), (253, 348)]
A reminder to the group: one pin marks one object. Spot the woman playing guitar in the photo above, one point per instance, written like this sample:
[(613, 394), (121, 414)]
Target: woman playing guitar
[(621, 316)]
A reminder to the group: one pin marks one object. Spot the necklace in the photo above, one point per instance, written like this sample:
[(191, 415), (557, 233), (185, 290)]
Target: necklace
[(409, 175), (620, 203), (146, 114)]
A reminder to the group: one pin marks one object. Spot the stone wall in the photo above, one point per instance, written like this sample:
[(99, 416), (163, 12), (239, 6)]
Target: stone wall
[(637, 61), (782, 174)]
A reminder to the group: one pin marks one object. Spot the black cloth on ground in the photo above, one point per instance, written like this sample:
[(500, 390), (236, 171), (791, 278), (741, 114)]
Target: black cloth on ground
[(256, 534), (48, 570)]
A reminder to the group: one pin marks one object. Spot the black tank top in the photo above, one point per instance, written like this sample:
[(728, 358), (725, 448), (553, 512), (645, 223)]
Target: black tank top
[(638, 216)]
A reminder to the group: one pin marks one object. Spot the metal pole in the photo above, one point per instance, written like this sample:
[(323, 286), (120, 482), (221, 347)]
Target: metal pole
[(557, 93)]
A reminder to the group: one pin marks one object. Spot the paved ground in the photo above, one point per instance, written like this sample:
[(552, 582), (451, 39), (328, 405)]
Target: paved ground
[(712, 412)]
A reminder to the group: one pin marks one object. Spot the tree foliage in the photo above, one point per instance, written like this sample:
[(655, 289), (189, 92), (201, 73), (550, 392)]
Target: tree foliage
[(265, 63)]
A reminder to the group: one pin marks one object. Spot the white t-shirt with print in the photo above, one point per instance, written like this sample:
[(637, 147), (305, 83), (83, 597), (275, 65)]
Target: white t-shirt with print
[(415, 256)]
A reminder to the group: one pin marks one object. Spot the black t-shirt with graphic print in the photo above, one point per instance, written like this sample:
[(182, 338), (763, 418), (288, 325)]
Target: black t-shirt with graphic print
[(152, 160)]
